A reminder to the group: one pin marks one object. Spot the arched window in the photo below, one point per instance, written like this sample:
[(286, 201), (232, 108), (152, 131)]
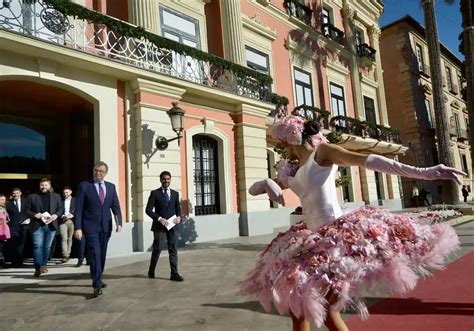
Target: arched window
[(206, 175), (21, 149)]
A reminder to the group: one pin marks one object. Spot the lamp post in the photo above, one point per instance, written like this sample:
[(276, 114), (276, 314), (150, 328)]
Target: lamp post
[(176, 115)]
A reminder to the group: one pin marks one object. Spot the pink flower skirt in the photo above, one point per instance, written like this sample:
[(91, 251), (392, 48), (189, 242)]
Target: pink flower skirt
[(367, 251)]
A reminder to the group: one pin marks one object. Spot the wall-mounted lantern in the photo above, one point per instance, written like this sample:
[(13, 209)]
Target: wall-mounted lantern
[(176, 115)]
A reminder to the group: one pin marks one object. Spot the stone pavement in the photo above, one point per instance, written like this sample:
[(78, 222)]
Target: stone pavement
[(206, 300)]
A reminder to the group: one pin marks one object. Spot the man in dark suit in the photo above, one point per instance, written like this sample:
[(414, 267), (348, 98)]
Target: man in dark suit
[(66, 225), (16, 211), (93, 219), (43, 228), (163, 204)]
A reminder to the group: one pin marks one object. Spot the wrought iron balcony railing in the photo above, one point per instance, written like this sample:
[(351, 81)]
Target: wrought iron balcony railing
[(333, 33), (70, 25), (313, 113), (298, 10), (364, 50), (424, 70), (364, 129)]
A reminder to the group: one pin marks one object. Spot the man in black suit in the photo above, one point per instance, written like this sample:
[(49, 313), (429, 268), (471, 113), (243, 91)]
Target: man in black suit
[(163, 204), (96, 199), (16, 212), (66, 225), (42, 227)]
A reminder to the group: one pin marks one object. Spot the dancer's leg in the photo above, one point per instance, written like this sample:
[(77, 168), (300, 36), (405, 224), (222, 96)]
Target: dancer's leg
[(334, 321), (300, 324)]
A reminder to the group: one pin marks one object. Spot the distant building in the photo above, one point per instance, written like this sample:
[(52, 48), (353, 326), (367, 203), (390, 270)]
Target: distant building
[(408, 92)]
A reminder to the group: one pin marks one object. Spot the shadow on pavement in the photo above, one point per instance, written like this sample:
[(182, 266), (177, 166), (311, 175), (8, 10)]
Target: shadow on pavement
[(248, 305), (413, 306)]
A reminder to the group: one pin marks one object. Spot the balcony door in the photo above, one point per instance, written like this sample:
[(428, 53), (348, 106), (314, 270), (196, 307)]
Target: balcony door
[(185, 30)]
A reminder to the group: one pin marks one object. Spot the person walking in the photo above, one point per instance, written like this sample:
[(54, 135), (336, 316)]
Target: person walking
[(164, 208), (96, 201), (465, 193), (19, 230), (43, 209), (66, 226)]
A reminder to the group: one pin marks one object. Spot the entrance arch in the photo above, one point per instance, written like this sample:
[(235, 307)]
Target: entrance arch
[(45, 131)]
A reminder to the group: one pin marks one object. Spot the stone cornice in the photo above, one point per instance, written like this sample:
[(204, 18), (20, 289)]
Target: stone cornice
[(256, 25), (300, 47), (331, 64), (139, 85), (370, 82)]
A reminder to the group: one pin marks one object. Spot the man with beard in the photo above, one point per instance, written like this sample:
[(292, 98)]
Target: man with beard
[(44, 209)]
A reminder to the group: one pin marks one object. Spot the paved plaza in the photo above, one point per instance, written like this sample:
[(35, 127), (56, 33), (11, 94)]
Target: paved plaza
[(206, 300)]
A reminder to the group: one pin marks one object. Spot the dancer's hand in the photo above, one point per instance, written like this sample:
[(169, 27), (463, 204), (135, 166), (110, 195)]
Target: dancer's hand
[(78, 234), (274, 191), (443, 172)]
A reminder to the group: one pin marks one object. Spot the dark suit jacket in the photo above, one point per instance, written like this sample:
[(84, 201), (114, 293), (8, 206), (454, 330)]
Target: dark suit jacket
[(72, 207), (16, 216), (34, 205), (90, 215), (157, 201)]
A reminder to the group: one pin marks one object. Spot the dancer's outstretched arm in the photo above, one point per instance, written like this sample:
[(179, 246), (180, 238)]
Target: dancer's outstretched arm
[(328, 154)]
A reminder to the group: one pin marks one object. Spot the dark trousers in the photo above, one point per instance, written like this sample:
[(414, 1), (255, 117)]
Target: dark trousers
[(158, 239), (97, 251), (15, 246)]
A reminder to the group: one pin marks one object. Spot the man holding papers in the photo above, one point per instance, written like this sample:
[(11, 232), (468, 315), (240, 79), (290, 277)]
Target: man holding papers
[(164, 208), (43, 209)]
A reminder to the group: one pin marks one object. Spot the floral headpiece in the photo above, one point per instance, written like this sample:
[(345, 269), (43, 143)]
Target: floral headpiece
[(290, 128)]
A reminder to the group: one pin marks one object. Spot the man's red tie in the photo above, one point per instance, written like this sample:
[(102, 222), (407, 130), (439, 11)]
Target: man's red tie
[(101, 194)]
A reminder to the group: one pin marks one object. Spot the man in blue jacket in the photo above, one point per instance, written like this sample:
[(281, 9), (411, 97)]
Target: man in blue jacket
[(93, 219)]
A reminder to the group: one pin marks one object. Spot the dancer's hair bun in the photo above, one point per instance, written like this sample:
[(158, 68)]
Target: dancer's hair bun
[(311, 128)]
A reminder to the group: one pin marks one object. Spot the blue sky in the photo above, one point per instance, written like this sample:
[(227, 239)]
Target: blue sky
[(448, 19)]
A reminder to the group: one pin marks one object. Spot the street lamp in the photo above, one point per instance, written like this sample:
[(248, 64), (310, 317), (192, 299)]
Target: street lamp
[(176, 115)]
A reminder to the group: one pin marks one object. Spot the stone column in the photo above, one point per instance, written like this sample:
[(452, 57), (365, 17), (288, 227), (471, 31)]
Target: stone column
[(348, 16), (233, 36), (374, 35), (143, 13), (251, 166)]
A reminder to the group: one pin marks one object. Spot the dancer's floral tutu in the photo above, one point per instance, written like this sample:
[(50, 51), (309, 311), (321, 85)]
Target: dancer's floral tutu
[(365, 251)]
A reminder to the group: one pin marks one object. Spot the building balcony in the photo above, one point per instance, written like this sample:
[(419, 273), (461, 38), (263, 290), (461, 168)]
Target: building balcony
[(364, 129), (51, 21), (333, 33), (296, 9), (424, 70), (365, 51)]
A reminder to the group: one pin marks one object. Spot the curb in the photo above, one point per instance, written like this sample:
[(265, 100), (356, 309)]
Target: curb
[(461, 220)]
